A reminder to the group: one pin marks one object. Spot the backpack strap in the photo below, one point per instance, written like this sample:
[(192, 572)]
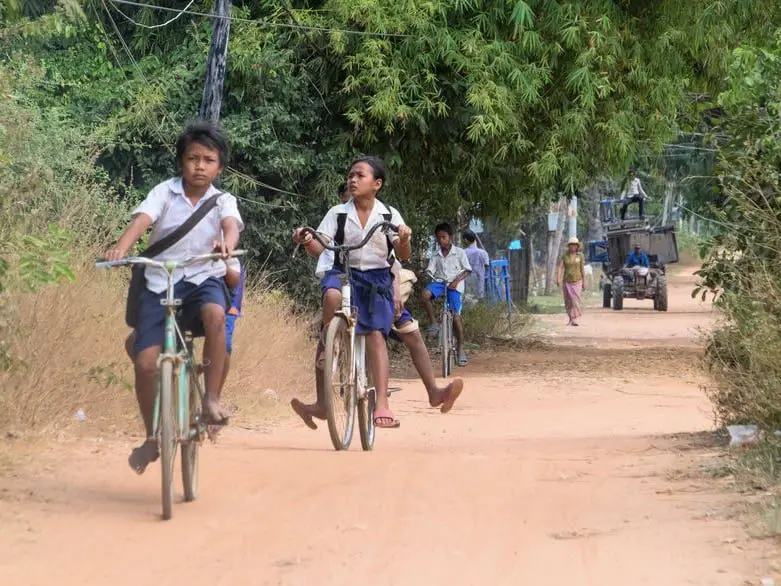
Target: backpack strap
[(387, 217), (170, 239), (341, 221)]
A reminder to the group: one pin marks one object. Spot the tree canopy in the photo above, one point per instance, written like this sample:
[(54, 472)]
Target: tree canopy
[(484, 107)]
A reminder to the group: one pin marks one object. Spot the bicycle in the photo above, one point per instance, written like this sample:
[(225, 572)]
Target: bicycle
[(347, 391), (177, 415), (447, 341)]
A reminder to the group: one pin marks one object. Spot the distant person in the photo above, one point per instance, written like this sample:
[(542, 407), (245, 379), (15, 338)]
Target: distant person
[(571, 279), (449, 266), (634, 193), (637, 258), (479, 261)]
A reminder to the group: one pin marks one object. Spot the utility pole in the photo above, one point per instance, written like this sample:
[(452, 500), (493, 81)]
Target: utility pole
[(216, 62), (572, 216)]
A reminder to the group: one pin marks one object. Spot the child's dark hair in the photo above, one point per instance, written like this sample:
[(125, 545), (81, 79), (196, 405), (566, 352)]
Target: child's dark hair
[(378, 168), (342, 189), (444, 227), (203, 133), (469, 236)]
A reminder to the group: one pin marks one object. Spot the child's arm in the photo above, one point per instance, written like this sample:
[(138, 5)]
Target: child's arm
[(403, 244), (398, 306), (230, 236), (466, 269), (130, 236)]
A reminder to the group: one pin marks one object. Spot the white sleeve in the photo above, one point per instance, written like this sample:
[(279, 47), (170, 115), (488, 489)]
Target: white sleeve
[(154, 204), (397, 220), (329, 224), (229, 209), (432, 265)]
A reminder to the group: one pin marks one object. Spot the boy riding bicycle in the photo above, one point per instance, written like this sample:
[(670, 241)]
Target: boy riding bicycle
[(201, 154), (372, 280), (449, 266)]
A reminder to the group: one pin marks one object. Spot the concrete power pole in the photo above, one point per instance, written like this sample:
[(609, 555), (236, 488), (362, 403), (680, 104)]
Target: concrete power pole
[(572, 217), (216, 62)]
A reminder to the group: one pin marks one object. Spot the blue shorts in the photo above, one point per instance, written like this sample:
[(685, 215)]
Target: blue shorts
[(454, 298), (150, 325), (372, 296), (230, 327)]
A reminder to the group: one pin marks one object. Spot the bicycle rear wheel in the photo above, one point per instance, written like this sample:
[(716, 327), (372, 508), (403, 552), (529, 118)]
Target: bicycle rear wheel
[(167, 436), (192, 442), (339, 390)]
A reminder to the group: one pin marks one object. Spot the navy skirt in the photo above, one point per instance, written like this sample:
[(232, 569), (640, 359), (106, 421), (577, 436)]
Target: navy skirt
[(372, 296)]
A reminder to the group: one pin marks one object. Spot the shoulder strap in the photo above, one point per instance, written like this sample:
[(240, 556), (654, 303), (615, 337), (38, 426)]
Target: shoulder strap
[(387, 217), (341, 220), (168, 241)]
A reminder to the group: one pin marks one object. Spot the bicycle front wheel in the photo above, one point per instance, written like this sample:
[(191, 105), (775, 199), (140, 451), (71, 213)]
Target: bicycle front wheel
[(366, 405), (445, 345), (339, 392), (193, 440), (167, 436)]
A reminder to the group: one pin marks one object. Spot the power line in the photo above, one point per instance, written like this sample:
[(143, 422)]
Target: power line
[(258, 21), (158, 130), (152, 26)]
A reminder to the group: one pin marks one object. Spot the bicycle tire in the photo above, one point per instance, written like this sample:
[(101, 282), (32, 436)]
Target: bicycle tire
[(339, 396), (444, 345), (167, 437), (366, 426), (192, 443)]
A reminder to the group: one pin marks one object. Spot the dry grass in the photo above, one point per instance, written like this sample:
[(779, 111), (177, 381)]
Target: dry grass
[(67, 344)]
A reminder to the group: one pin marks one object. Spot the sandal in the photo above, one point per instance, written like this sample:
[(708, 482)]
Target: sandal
[(462, 360), (385, 415), (303, 413)]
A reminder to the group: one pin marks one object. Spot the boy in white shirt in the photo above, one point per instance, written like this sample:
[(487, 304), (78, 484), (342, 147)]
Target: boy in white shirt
[(201, 154), (450, 264)]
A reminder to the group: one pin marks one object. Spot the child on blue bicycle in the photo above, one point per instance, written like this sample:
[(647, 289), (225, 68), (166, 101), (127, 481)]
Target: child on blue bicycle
[(449, 266), (201, 154), (372, 281)]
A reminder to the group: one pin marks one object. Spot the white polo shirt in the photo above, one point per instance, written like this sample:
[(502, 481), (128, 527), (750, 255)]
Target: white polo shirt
[(372, 256), (169, 208), (450, 266)]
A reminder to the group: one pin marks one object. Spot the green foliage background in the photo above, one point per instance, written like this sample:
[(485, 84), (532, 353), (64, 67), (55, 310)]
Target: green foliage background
[(479, 108)]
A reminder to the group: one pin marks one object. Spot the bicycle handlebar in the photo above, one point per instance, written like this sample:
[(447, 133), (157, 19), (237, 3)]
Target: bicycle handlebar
[(344, 248), (142, 260)]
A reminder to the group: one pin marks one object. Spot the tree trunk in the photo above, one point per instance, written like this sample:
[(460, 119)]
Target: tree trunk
[(554, 246), (668, 199), (216, 63)]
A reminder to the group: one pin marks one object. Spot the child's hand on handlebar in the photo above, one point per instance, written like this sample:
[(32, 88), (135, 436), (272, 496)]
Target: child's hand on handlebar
[(302, 236), (223, 248), (115, 253)]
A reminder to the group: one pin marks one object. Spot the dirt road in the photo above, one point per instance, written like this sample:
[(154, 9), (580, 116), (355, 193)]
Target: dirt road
[(559, 467)]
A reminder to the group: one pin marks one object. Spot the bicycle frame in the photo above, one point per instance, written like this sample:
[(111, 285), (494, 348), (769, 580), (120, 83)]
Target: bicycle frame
[(183, 358)]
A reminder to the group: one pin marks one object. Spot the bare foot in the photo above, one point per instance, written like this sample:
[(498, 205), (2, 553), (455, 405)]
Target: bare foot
[(212, 412), (446, 398), (143, 455), (308, 412)]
